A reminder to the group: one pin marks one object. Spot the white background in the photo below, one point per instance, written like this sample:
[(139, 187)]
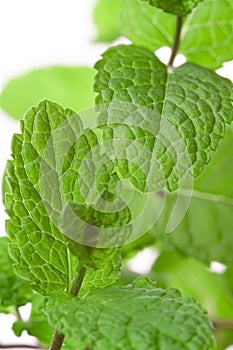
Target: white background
[(40, 33)]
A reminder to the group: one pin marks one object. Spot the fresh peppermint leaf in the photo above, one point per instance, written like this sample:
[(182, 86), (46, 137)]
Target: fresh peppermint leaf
[(39, 189), (192, 278), (192, 102), (37, 324), (206, 36), (177, 7), (106, 18), (224, 338), (103, 266), (69, 86), (206, 230), (145, 25), (138, 316), (14, 291)]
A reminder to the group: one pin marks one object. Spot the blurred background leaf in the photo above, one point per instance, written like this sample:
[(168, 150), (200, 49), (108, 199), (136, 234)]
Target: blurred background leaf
[(69, 86), (37, 324), (193, 278), (14, 291), (106, 19), (205, 233)]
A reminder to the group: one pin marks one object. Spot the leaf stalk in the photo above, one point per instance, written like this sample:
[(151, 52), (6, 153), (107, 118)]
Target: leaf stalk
[(176, 42), (223, 324), (58, 338)]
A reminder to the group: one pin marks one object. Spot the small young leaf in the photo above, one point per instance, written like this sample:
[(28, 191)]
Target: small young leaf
[(206, 36), (177, 7), (69, 86), (106, 18), (140, 317), (191, 101), (14, 291)]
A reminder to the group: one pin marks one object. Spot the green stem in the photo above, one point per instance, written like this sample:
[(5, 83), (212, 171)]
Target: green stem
[(78, 282), (18, 315), (58, 338), (57, 341), (222, 324), (176, 41)]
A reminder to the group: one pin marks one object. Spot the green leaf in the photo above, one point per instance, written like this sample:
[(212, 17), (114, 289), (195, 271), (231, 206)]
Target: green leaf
[(229, 276), (140, 317), (192, 278), (224, 338), (38, 186), (69, 86), (37, 324), (106, 18), (103, 266), (186, 112), (14, 291), (206, 231), (177, 7), (145, 25), (206, 36)]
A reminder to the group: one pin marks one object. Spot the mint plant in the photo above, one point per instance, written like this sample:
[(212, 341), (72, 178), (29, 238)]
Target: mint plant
[(148, 166)]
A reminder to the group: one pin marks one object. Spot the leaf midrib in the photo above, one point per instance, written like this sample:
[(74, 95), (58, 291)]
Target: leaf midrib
[(207, 196)]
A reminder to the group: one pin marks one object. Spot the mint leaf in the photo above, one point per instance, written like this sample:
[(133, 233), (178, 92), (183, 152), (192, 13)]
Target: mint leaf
[(103, 266), (177, 7), (208, 288), (229, 276), (145, 25), (191, 101), (14, 291), (38, 192), (206, 230), (39, 250), (37, 324), (138, 316), (206, 36), (106, 18), (69, 86)]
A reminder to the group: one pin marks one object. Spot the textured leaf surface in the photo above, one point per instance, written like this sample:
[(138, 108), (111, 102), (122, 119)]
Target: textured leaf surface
[(193, 278), (106, 18), (140, 317), (103, 266), (69, 86), (206, 231), (177, 7), (37, 325), (194, 102), (206, 37), (13, 291), (145, 25), (39, 249)]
